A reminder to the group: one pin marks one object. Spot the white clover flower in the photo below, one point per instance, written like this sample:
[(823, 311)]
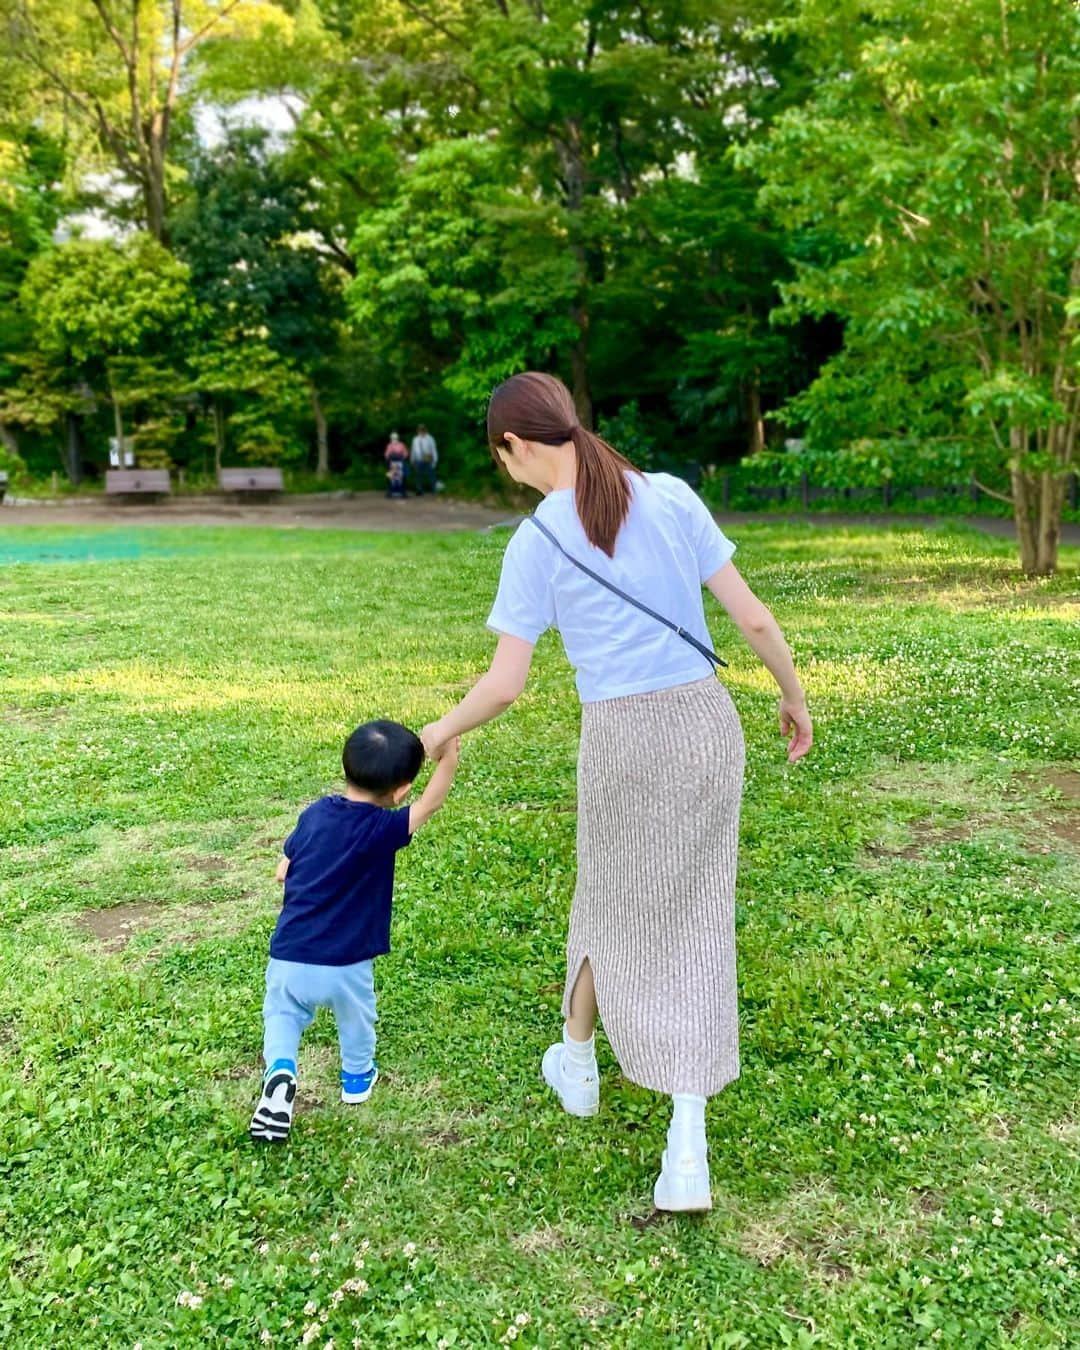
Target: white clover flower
[(186, 1299), (409, 1248), (310, 1333), (310, 1308), (263, 1248)]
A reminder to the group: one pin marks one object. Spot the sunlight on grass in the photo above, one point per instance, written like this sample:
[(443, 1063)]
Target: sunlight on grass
[(899, 1158)]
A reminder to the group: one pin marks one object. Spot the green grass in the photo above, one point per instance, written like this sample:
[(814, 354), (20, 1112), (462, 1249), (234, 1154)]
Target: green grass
[(898, 1164)]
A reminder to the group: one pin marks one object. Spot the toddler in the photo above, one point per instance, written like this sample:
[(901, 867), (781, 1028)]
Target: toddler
[(338, 871)]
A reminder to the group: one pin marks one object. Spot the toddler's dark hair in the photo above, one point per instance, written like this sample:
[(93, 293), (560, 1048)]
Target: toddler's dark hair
[(381, 756)]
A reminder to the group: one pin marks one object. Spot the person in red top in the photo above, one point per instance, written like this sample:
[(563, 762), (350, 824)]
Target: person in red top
[(396, 455)]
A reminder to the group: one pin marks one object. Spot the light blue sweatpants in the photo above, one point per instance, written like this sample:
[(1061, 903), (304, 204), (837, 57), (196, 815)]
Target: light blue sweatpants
[(295, 989)]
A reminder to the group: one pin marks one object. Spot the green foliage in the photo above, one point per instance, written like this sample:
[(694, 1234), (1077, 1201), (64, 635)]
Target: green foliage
[(870, 463), (93, 299), (937, 156), (899, 1157)]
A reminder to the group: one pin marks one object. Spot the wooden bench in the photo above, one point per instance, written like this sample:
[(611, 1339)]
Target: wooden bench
[(261, 481), (137, 482)]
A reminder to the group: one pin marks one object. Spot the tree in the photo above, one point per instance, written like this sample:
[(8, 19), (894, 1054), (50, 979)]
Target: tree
[(118, 68), (31, 163), (106, 317), (940, 151), (246, 231), (249, 383)]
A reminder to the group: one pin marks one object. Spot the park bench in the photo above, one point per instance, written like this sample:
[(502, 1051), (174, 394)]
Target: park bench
[(137, 482), (260, 482)]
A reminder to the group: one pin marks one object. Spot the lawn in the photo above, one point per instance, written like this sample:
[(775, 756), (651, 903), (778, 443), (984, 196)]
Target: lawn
[(898, 1164)]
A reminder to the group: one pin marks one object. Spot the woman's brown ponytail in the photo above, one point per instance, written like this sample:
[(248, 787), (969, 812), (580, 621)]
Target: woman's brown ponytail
[(539, 407)]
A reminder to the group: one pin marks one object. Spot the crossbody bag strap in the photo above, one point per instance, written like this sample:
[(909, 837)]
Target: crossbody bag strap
[(638, 604)]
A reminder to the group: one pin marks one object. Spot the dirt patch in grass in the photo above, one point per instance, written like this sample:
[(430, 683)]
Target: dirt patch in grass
[(1064, 1131), (240, 1073), (1061, 819), (116, 926), (34, 719), (540, 1240), (925, 836), (823, 1257), (207, 863), (442, 1138), (1065, 828), (1039, 805)]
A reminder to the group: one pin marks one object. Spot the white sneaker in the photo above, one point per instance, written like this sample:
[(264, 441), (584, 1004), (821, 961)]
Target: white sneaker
[(579, 1096), (683, 1185)]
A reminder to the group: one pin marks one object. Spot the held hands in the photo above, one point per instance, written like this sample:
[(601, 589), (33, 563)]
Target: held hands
[(435, 742), (795, 724)]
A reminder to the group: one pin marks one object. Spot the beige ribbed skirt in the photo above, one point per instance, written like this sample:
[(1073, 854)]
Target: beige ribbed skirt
[(659, 790)]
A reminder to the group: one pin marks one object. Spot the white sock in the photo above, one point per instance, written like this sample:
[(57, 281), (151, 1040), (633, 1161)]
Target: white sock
[(580, 1058), (686, 1134)]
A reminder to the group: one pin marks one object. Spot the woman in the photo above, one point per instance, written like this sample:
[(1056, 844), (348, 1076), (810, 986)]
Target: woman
[(652, 932)]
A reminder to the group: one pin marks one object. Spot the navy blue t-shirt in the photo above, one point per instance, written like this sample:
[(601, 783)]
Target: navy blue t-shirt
[(340, 883)]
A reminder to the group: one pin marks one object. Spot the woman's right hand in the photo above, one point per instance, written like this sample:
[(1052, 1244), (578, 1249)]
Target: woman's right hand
[(795, 724), (434, 741)]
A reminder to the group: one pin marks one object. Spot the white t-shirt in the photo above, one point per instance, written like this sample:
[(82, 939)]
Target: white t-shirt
[(669, 545)]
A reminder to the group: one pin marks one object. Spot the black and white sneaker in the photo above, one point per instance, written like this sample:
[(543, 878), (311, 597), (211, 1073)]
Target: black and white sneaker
[(273, 1116)]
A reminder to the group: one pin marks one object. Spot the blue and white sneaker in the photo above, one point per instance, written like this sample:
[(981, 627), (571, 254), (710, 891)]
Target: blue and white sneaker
[(357, 1087), (272, 1120)]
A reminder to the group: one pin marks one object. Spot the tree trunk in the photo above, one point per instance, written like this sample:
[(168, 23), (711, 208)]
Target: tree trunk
[(154, 187), (757, 424), (572, 161), (1048, 535), (579, 369), (8, 439), (322, 466), (72, 451), (1022, 514), (118, 422), (219, 435)]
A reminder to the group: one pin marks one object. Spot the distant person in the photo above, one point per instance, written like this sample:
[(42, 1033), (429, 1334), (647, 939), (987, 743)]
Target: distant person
[(338, 872), (396, 455), (423, 458)]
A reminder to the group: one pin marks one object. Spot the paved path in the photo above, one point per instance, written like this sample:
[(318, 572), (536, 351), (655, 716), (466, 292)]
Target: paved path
[(312, 511), (373, 511)]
